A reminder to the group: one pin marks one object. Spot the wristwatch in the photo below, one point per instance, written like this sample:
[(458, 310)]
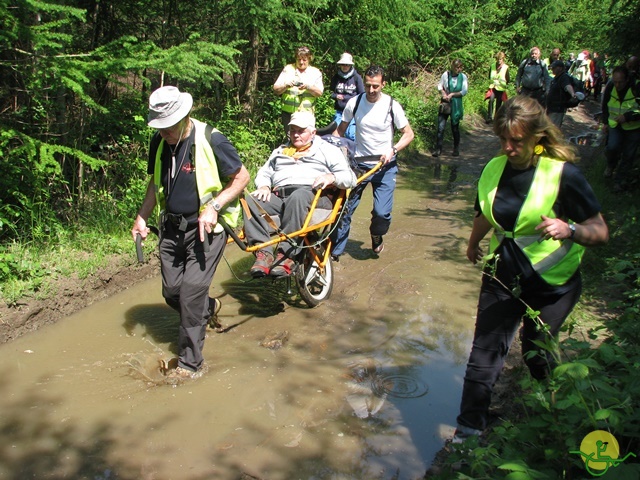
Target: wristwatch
[(395, 150), (216, 206), (572, 227)]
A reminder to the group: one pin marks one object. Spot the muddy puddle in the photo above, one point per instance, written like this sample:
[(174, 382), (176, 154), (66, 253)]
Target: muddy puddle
[(366, 386)]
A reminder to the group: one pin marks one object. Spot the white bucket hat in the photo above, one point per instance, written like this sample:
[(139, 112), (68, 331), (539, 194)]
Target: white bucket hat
[(345, 59), (303, 120), (167, 106)]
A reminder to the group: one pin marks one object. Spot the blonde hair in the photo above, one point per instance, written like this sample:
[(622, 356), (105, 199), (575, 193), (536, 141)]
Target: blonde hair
[(500, 56), (527, 115)]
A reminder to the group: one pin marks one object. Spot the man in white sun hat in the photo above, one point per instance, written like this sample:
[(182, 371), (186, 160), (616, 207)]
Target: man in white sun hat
[(196, 177)]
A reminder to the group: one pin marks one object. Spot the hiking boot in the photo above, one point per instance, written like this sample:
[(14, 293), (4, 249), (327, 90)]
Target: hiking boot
[(262, 265), (436, 152), (282, 266), (463, 433), (377, 244), (181, 374), (456, 152), (214, 307)]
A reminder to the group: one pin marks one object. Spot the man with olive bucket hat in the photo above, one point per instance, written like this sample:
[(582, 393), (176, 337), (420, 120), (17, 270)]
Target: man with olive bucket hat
[(196, 176)]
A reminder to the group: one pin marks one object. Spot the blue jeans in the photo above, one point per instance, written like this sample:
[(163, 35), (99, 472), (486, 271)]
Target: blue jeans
[(383, 183), (350, 133), (621, 149)]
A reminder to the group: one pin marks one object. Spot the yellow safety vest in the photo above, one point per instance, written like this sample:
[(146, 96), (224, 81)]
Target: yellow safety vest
[(296, 100), (207, 178), (556, 261), (499, 79), (619, 106)]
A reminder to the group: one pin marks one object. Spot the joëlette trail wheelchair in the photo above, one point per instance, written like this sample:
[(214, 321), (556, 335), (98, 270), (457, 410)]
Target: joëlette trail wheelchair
[(313, 270)]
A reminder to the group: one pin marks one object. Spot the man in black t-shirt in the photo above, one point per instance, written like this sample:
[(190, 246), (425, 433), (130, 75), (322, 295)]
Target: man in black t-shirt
[(560, 91), (199, 176)]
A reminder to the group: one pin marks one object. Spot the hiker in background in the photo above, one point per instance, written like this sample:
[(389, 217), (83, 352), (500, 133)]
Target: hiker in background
[(453, 86), (533, 78), (599, 74), (581, 70), (621, 124), (534, 253), (560, 93), (299, 86), (553, 56), (499, 77), (345, 84)]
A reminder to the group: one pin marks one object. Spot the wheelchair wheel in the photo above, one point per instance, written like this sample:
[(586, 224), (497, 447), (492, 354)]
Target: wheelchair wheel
[(314, 284)]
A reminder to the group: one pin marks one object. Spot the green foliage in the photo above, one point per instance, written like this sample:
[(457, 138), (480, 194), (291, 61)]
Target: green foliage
[(418, 97)]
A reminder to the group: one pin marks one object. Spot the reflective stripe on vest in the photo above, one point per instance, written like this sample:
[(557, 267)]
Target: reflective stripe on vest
[(499, 79), (554, 260), (294, 100), (207, 178), (619, 107)]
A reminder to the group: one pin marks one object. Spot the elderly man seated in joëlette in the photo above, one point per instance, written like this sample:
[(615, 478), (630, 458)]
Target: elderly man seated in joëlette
[(286, 185)]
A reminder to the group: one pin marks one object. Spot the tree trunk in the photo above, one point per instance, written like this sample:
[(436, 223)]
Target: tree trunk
[(251, 71)]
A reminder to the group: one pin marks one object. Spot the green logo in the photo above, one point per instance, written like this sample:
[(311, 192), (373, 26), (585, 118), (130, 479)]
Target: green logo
[(599, 451)]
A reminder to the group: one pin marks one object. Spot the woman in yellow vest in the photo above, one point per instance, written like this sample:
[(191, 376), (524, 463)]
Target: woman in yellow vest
[(543, 213), (499, 77), (299, 86), (621, 119)]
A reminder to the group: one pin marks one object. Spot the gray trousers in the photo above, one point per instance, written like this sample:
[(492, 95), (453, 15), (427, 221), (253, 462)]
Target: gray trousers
[(187, 272), (292, 212)]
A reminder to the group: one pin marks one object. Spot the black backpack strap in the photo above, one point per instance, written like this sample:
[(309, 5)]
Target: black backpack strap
[(389, 112), (355, 109)]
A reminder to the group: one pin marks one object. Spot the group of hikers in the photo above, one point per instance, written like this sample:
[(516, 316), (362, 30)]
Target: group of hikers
[(538, 206), (196, 178), (559, 84)]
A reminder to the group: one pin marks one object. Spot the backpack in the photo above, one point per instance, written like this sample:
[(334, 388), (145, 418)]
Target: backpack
[(529, 80), (348, 148)]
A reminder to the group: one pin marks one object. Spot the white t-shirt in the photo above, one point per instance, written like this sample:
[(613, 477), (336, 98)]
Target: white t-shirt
[(374, 134)]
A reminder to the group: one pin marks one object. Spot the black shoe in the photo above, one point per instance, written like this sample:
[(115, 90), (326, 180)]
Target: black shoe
[(335, 258), (436, 152), (456, 152), (377, 244)]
